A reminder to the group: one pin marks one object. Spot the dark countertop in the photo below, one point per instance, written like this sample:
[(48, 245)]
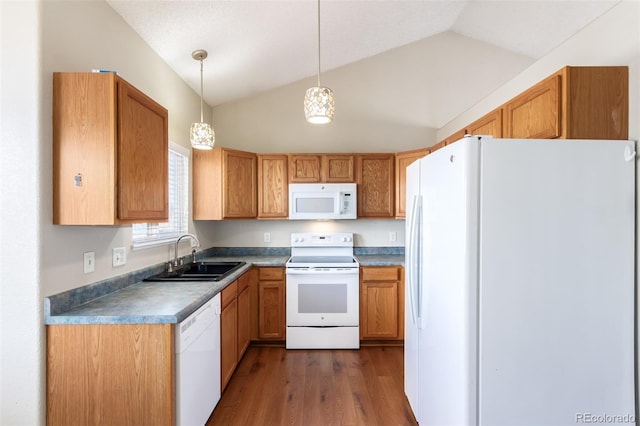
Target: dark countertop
[(163, 302), (147, 302), (381, 259)]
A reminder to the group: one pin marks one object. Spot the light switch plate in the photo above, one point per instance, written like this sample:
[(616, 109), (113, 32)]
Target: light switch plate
[(119, 256), (89, 262)]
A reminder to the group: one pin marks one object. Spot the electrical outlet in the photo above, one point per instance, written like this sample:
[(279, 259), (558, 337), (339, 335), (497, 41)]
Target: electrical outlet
[(119, 256), (89, 262), (393, 236), (267, 237)]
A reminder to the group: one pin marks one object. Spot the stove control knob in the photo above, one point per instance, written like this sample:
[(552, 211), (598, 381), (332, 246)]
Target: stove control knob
[(346, 239)]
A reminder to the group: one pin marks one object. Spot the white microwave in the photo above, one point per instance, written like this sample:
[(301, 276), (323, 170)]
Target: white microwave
[(321, 201)]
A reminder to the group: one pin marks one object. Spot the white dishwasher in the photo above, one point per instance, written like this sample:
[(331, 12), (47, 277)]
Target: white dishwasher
[(198, 364)]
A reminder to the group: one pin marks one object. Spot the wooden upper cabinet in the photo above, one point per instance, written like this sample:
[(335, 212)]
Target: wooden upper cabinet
[(403, 159), (273, 187), (304, 168), (535, 113), (376, 183), (574, 103), (224, 184), (490, 124), (595, 101), (110, 152), (312, 168), (337, 168)]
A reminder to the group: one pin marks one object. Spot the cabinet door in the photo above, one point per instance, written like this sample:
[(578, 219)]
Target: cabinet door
[(375, 178), (143, 157), (304, 168), (228, 333), (596, 104), (403, 159), (338, 168), (379, 310), (535, 114), (84, 149), (490, 124), (243, 322), (86, 363), (273, 187), (239, 184), (382, 303), (272, 314)]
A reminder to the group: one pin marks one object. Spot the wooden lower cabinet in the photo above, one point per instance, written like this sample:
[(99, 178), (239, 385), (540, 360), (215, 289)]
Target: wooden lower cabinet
[(244, 311), (228, 334), (381, 303), (271, 303), (110, 374)]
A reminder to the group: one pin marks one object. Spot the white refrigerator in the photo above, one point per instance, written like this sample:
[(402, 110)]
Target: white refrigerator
[(520, 283)]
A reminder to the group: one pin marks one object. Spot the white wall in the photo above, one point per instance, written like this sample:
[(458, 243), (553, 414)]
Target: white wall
[(21, 330)]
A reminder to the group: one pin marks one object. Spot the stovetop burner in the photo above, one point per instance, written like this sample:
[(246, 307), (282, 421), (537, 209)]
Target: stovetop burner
[(333, 250)]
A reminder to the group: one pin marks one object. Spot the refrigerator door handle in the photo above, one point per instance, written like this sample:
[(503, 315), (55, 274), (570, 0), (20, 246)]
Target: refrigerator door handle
[(412, 258), (417, 253)]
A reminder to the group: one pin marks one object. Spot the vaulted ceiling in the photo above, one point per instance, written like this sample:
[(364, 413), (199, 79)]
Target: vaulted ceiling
[(256, 46)]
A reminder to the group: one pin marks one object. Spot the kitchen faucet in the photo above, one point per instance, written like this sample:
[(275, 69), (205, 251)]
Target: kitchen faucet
[(175, 252)]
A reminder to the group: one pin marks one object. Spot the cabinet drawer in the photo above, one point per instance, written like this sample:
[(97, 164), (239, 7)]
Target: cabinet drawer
[(380, 273), (271, 274), (229, 294)]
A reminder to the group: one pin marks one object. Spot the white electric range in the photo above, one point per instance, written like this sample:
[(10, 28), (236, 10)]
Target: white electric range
[(322, 292)]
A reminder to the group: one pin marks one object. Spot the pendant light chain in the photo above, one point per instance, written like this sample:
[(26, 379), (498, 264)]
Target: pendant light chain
[(319, 43), (201, 91)]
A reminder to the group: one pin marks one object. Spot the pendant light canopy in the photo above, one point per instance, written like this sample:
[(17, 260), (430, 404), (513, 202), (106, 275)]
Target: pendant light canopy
[(318, 101), (202, 134)]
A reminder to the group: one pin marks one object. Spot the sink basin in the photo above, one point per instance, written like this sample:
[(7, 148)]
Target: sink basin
[(200, 271)]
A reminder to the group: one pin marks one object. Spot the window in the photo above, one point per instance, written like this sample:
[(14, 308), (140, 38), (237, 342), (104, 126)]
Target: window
[(155, 234)]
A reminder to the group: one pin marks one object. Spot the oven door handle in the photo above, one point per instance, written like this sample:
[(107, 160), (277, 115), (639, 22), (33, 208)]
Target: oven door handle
[(322, 271)]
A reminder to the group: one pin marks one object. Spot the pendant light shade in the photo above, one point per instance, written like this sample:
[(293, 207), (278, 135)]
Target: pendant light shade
[(201, 134), (319, 106)]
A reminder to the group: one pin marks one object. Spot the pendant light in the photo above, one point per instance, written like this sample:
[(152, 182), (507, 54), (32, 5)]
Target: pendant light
[(202, 134), (318, 101)]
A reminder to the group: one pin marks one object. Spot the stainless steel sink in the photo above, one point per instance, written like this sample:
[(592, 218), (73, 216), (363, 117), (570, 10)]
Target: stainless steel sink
[(200, 271)]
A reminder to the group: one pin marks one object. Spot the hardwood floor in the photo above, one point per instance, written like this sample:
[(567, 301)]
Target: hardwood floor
[(275, 386)]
